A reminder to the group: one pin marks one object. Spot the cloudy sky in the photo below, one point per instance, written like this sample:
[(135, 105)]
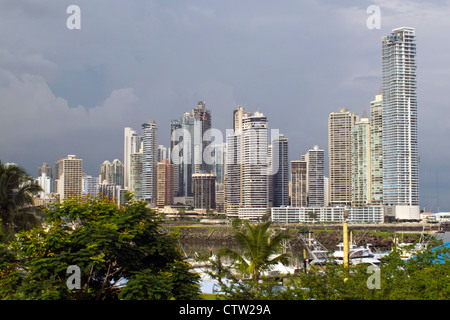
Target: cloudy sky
[(68, 91)]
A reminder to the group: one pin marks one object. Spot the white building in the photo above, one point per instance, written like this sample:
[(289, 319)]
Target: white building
[(149, 161), (131, 145), (247, 167), (367, 214), (399, 120), (46, 184), (90, 185)]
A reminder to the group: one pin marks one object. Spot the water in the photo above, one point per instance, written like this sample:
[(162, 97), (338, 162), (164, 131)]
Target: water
[(446, 236)]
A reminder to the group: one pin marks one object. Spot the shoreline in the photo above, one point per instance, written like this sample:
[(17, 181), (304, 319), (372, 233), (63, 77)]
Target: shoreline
[(381, 236)]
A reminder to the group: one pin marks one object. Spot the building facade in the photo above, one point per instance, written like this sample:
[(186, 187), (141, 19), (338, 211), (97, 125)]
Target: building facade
[(132, 142), (399, 119), (299, 196), (339, 156), (361, 162), (376, 149), (364, 214), (149, 161), (69, 179), (165, 184), (280, 178), (204, 190), (315, 176)]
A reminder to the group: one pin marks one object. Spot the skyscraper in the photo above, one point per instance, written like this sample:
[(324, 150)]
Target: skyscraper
[(165, 183), (149, 161), (281, 176), (339, 154), (399, 119), (45, 168), (315, 176), (299, 197), (69, 178), (255, 178), (376, 149), (233, 173), (136, 176), (189, 137), (247, 154), (361, 162), (203, 117), (131, 145), (204, 190)]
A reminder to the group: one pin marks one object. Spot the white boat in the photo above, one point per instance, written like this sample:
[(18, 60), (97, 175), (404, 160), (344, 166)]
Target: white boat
[(357, 255), (318, 255)]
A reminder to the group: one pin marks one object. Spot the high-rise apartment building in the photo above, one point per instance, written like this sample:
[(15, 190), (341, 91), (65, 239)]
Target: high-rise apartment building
[(91, 185), (299, 196), (255, 175), (131, 145), (399, 119), (46, 183), (315, 175), (233, 174), (361, 162), (281, 176), (247, 189), (149, 161), (45, 168), (165, 193), (203, 117), (376, 149), (69, 178), (136, 176), (339, 156), (204, 190), (112, 172), (189, 137)]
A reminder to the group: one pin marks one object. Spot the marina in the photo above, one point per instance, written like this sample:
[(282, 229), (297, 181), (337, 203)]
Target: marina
[(314, 254)]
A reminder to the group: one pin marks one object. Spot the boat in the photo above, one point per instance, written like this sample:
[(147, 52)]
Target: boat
[(357, 255), (318, 255)]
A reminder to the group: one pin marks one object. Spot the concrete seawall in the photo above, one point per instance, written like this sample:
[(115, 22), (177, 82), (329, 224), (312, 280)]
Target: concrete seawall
[(380, 236)]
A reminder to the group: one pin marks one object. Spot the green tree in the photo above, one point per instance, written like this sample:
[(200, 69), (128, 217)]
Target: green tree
[(121, 253), (17, 189), (258, 249)]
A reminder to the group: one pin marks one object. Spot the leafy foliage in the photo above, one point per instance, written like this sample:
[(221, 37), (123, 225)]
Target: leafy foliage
[(258, 249), (425, 277), (17, 188), (121, 254)]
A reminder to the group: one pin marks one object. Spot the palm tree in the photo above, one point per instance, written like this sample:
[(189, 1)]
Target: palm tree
[(17, 188), (258, 250)]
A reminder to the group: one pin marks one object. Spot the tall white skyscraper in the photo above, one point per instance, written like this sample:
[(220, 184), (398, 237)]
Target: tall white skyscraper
[(399, 119), (248, 166), (131, 145), (315, 176), (149, 161)]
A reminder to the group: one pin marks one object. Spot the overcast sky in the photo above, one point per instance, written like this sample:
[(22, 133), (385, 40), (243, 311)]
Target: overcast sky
[(73, 91)]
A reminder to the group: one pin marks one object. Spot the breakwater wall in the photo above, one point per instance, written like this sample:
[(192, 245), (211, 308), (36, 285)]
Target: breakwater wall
[(380, 236)]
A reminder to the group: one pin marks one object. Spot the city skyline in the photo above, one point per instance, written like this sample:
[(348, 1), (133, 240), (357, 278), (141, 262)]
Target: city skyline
[(295, 63)]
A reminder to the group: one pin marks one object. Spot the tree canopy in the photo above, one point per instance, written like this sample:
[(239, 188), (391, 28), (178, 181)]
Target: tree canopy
[(17, 188), (121, 253)]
